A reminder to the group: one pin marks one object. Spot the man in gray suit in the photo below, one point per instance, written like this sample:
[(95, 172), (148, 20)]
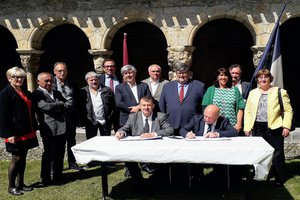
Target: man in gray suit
[(155, 82), (50, 106), (146, 123)]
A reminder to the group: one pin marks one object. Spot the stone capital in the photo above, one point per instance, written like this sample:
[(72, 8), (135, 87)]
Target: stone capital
[(257, 54), (99, 55), (181, 54)]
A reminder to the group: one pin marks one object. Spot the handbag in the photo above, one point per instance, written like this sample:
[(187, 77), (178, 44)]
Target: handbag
[(293, 126)]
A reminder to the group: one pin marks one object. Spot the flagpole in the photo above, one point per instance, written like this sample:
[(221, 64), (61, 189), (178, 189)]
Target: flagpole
[(125, 52), (266, 52)]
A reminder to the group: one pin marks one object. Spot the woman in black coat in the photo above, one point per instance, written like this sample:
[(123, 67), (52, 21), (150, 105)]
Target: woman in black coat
[(17, 127)]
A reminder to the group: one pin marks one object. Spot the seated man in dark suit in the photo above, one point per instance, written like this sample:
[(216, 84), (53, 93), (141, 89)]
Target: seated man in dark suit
[(209, 125), (146, 123)]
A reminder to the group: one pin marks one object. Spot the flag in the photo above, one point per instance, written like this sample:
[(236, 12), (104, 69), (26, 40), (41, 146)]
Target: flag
[(125, 52), (271, 58)]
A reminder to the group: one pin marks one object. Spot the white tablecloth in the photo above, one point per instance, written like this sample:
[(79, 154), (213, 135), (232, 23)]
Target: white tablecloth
[(236, 151)]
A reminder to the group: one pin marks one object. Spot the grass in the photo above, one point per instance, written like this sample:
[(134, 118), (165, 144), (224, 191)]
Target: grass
[(87, 186)]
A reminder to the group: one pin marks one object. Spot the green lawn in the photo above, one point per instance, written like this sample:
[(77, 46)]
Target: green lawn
[(87, 185)]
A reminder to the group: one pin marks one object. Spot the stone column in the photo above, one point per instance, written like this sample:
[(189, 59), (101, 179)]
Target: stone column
[(98, 57), (30, 60), (257, 54), (181, 54)]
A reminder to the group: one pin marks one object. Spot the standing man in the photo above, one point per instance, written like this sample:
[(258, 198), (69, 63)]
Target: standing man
[(97, 103), (181, 99), (69, 91), (155, 82), (50, 106), (236, 74), (110, 80), (129, 93)]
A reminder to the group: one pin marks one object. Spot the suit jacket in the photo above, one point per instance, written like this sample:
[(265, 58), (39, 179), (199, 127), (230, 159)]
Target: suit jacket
[(245, 86), (14, 113), (274, 114), (134, 125), (71, 112), (159, 88), (180, 114), (50, 112), (125, 98), (197, 124), (102, 78), (86, 105)]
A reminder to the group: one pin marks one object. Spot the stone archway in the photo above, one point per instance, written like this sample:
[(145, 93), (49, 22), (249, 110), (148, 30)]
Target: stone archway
[(221, 43), (146, 45), (9, 56), (290, 31), (67, 43)]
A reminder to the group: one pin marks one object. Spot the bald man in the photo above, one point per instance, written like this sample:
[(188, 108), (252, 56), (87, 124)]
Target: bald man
[(210, 125)]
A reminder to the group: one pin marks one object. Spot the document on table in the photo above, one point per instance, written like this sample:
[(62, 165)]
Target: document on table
[(201, 138), (138, 138)]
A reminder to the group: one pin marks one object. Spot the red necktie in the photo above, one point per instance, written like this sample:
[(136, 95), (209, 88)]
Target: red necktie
[(111, 83), (181, 93)]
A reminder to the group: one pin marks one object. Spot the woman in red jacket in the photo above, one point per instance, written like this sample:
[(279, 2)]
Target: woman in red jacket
[(17, 127)]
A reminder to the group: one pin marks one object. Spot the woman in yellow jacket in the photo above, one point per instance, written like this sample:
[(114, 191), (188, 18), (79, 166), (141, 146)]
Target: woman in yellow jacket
[(262, 117)]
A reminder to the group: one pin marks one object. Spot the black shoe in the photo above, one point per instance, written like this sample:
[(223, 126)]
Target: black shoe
[(25, 188), (92, 164), (75, 166), (127, 173), (15, 191)]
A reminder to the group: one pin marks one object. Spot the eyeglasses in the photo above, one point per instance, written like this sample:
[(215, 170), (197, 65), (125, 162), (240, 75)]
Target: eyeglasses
[(263, 77), (109, 66), (155, 71), (18, 77)]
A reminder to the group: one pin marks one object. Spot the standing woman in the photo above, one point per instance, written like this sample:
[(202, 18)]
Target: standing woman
[(17, 127), (263, 118), (227, 97)]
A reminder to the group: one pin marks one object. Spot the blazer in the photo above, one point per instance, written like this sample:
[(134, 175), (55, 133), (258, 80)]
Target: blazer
[(50, 112), (102, 78), (71, 112), (245, 86), (86, 105), (125, 98), (274, 114), (14, 114), (134, 125), (197, 124), (159, 88), (179, 114)]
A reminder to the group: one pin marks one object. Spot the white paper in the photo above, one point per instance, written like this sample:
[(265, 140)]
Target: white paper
[(201, 138), (138, 138)]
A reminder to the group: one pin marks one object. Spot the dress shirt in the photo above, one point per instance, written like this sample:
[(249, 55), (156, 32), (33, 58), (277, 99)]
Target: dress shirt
[(239, 86), (98, 109), (107, 81), (134, 91), (47, 92), (206, 127), (154, 86), (185, 87)]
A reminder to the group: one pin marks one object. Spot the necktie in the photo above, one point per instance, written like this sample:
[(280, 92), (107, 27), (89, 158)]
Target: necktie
[(181, 93), (209, 128), (111, 83), (146, 127)]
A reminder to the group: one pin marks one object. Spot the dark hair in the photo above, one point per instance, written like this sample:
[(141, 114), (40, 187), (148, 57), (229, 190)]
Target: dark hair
[(148, 99), (106, 60), (265, 72), (236, 66), (227, 73)]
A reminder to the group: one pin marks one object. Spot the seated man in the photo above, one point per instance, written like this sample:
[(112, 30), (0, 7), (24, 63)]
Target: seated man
[(146, 123), (210, 125)]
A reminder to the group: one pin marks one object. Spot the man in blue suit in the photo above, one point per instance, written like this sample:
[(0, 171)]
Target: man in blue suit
[(181, 99), (129, 92)]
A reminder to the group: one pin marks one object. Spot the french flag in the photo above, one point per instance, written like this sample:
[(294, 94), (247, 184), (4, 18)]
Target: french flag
[(271, 58)]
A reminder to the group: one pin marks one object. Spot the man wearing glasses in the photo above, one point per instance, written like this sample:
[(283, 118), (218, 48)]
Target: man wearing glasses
[(69, 91)]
